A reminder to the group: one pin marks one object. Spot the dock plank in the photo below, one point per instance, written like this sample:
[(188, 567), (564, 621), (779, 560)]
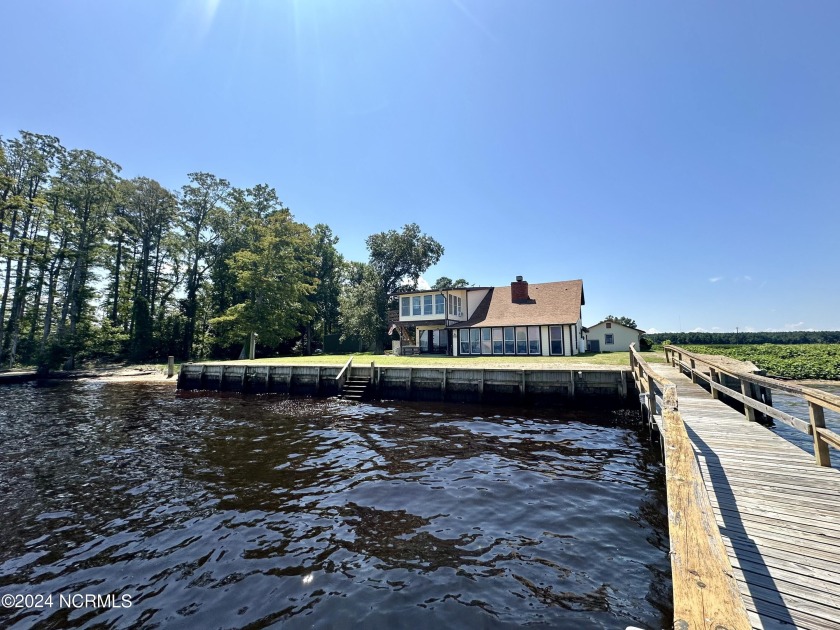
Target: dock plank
[(778, 512)]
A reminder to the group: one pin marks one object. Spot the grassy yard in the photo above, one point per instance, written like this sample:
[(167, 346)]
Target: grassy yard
[(603, 360)]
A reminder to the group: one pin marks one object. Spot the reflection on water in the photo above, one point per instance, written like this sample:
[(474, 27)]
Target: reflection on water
[(247, 512)]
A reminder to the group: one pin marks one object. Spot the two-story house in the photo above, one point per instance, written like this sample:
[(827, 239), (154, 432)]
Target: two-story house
[(520, 320)]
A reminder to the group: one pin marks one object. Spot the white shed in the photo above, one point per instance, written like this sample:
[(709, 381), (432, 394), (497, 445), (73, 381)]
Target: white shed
[(609, 336)]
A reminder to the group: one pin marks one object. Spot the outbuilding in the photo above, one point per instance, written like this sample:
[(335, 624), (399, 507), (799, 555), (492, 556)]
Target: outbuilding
[(610, 336)]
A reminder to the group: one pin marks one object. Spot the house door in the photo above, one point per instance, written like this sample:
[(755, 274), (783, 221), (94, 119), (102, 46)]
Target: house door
[(594, 345), (434, 341)]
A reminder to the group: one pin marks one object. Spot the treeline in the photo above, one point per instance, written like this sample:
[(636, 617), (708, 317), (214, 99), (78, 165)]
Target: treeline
[(96, 266), (744, 338)]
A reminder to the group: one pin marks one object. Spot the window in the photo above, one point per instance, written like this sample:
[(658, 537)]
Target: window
[(510, 348), (498, 347), (440, 304), (406, 306), (464, 338), (608, 340), (555, 336), (415, 306), (424, 340), (609, 324), (427, 305), (521, 340), (475, 341), (533, 339), (452, 299), (486, 343)]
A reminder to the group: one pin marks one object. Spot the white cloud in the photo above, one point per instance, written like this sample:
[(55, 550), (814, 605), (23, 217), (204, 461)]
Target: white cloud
[(716, 279), (716, 329), (652, 330), (698, 329), (795, 326), (742, 279), (423, 285)]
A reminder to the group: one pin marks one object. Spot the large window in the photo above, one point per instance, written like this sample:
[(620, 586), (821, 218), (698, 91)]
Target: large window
[(427, 305), (406, 306), (498, 348), (608, 340), (455, 305), (464, 340), (533, 339), (521, 340), (486, 343), (475, 341), (555, 335), (415, 306), (440, 304), (510, 346)]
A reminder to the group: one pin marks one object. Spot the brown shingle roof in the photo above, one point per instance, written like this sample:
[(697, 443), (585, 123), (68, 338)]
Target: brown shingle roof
[(550, 303)]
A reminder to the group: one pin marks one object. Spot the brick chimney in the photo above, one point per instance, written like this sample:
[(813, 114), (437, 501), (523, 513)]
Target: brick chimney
[(519, 291)]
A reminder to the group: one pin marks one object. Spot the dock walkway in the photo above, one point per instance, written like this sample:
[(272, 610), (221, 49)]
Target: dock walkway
[(777, 511)]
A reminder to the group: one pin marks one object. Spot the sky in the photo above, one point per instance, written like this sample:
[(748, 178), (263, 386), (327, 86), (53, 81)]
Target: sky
[(682, 158)]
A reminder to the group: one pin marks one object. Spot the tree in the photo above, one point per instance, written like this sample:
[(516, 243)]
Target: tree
[(627, 321), (396, 261), (328, 274), (358, 304), (443, 284), (202, 217), (276, 276)]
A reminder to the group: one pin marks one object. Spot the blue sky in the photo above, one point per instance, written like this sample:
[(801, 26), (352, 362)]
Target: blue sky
[(682, 158)]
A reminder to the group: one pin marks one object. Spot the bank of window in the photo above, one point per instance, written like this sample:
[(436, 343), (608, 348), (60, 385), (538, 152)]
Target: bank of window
[(555, 335), (415, 306), (464, 338), (486, 342), (454, 305), (440, 305), (510, 345), (533, 339), (406, 306), (475, 341), (608, 340), (521, 340), (427, 305), (498, 347)]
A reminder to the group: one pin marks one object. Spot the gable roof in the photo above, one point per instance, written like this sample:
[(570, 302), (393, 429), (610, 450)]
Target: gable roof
[(615, 323), (549, 303)]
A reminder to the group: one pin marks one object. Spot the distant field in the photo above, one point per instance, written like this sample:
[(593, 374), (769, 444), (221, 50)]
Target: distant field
[(804, 361), (615, 359)]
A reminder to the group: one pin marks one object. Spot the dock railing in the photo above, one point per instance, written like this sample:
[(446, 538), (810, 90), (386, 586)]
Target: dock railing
[(705, 592), (755, 396), (343, 374)]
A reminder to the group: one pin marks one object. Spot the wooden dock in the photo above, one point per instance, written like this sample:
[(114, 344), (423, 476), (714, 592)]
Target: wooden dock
[(776, 509)]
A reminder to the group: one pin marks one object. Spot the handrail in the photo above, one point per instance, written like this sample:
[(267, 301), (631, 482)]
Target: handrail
[(342, 375), (705, 592), (817, 400), (646, 376)]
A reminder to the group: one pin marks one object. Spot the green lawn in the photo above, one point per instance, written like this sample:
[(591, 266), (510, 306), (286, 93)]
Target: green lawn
[(615, 359)]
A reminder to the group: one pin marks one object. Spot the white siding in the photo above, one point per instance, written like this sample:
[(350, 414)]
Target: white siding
[(622, 336), (544, 340), (473, 300)]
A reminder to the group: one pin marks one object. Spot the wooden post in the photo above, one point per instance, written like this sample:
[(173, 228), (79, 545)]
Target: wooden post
[(289, 380), (221, 379), (522, 391), (693, 372), (202, 380), (318, 382), (651, 395), (817, 414), (571, 383), (408, 383), (252, 346), (170, 367), (714, 378), (244, 381), (481, 386), (746, 390), (443, 386)]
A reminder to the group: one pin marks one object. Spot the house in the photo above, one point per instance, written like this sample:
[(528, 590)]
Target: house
[(520, 320), (609, 336)]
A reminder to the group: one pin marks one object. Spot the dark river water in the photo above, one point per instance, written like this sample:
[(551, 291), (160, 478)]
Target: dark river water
[(228, 512)]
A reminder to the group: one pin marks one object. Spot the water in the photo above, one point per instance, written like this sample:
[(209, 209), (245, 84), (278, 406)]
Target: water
[(229, 512), (798, 407)]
